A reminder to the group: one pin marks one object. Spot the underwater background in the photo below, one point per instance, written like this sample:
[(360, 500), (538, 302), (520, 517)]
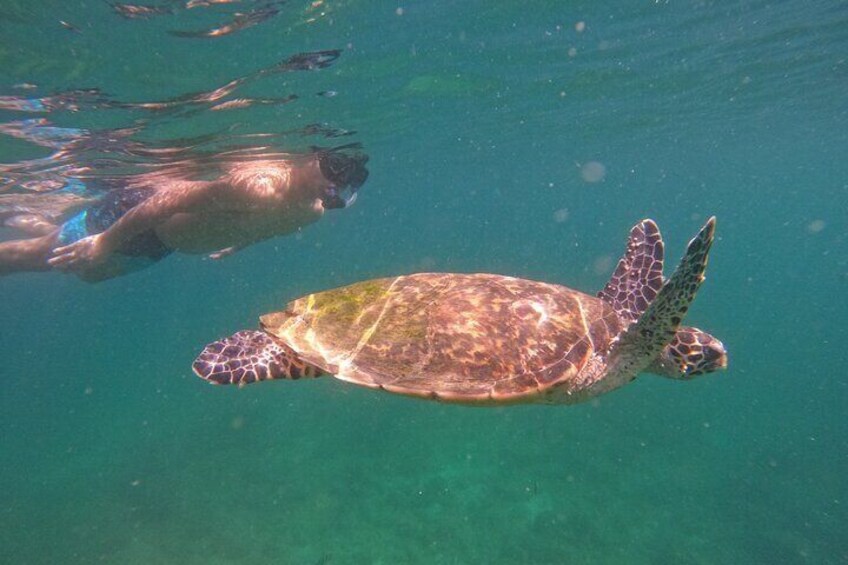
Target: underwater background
[(522, 138)]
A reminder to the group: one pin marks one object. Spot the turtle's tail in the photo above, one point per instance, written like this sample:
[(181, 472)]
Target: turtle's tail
[(249, 356)]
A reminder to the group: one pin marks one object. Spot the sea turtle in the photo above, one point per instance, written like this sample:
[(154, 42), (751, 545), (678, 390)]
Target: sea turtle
[(486, 339)]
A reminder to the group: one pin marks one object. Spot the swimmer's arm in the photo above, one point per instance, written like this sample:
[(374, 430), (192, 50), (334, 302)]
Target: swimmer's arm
[(179, 198), (187, 197)]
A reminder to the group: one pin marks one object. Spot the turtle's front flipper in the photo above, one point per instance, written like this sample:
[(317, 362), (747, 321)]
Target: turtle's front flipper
[(644, 340), (249, 356), (638, 277)]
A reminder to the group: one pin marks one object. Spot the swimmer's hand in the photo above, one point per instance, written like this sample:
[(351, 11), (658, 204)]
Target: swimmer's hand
[(86, 252), (223, 253)]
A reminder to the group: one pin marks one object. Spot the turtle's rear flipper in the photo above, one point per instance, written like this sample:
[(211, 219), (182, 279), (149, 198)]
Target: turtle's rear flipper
[(249, 356)]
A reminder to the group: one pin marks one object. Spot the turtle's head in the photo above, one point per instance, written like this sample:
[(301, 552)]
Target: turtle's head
[(690, 354)]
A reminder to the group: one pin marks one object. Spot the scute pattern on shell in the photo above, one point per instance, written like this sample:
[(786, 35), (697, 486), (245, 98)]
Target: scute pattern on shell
[(461, 338)]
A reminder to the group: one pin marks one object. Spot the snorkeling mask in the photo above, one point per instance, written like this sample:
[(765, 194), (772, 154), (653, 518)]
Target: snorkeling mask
[(346, 173)]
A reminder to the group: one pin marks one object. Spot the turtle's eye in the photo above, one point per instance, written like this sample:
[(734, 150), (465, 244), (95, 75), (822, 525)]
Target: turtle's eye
[(712, 354)]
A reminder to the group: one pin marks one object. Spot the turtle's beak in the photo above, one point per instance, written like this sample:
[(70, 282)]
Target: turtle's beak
[(715, 357), (722, 361)]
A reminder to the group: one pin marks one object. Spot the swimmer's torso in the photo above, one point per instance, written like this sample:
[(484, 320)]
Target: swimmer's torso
[(260, 200), (211, 231)]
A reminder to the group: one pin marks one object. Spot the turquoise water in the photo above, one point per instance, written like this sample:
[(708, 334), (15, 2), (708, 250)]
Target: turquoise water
[(481, 120)]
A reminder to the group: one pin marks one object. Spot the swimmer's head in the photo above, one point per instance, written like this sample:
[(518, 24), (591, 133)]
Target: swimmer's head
[(346, 172)]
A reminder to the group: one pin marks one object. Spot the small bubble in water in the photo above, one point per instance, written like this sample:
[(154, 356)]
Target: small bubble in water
[(816, 226), (426, 264), (561, 215), (593, 171), (580, 27), (399, 11), (572, 51), (602, 265)]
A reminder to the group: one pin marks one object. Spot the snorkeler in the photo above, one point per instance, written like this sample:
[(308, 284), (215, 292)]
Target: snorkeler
[(148, 218)]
